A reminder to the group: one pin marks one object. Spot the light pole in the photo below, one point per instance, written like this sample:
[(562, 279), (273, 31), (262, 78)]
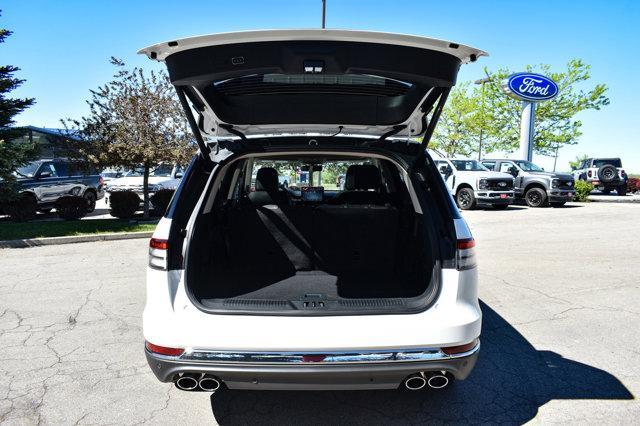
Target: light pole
[(482, 82), (324, 9)]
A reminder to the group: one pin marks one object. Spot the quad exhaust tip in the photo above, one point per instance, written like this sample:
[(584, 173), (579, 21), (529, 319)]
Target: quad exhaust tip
[(438, 381), (209, 384), (435, 380), (187, 382), (415, 382), (198, 381)]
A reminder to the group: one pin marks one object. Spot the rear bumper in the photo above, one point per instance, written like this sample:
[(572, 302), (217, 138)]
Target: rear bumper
[(345, 375)]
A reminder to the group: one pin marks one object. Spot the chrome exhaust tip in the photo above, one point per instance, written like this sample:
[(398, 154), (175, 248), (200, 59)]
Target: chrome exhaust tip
[(438, 381), (187, 382), (415, 382), (209, 384)]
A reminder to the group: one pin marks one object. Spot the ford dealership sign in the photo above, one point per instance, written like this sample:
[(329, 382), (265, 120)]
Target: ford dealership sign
[(530, 87)]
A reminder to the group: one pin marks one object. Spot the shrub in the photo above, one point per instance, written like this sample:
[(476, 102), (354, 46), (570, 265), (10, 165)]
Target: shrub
[(160, 201), (583, 189), (123, 204), (22, 209), (633, 185), (72, 207)]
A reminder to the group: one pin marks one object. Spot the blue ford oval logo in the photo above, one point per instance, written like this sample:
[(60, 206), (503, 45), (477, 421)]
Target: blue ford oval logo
[(530, 87)]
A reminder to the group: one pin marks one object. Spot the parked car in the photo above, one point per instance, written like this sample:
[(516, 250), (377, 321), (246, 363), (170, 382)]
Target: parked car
[(605, 174), (47, 180), (372, 288), (163, 176), (471, 183), (531, 182), (110, 174)]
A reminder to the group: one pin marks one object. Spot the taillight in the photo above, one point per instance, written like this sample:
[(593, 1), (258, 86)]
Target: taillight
[(456, 350), (590, 173), (158, 253), (466, 254), (163, 350)]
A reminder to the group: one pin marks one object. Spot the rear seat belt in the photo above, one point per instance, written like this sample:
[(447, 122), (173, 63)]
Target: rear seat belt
[(299, 257)]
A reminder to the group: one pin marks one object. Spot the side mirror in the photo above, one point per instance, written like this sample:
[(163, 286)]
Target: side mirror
[(179, 175), (444, 169), (543, 169), (514, 171), (44, 174)]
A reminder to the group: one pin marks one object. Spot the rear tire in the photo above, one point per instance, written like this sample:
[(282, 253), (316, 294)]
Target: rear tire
[(558, 204), (465, 199), (91, 201), (500, 206), (622, 190), (536, 197)]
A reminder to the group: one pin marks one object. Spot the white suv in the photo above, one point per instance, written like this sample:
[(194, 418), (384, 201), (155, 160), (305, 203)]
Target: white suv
[(605, 174), (471, 183), (307, 287)]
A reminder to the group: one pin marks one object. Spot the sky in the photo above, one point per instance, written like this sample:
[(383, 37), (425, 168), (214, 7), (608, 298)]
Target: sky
[(63, 47)]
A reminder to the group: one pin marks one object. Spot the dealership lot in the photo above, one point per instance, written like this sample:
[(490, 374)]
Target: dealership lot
[(560, 296)]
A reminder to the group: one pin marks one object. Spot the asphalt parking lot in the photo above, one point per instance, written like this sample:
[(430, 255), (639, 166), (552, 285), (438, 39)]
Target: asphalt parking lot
[(561, 302)]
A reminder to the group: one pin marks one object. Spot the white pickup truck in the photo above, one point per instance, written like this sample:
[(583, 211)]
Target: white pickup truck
[(471, 183), (163, 176)]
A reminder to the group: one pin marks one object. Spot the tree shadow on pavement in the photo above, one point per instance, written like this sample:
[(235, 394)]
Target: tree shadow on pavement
[(510, 381)]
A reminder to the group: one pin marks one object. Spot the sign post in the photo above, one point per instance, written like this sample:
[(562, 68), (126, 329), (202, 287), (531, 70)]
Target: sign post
[(530, 88)]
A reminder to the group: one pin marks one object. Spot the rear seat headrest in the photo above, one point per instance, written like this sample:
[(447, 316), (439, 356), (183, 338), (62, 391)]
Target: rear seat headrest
[(267, 179), (362, 177)]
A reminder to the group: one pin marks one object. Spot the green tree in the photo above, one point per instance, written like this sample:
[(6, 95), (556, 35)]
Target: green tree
[(134, 120), (576, 163), (12, 154), (556, 123), (457, 131)]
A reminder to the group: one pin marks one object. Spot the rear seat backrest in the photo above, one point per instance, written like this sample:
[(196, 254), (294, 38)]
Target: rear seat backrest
[(362, 186), (353, 239)]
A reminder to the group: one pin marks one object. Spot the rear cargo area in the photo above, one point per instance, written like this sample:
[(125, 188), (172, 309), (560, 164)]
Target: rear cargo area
[(263, 252)]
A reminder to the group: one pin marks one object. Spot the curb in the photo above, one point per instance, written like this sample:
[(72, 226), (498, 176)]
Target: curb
[(50, 241), (631, 200)]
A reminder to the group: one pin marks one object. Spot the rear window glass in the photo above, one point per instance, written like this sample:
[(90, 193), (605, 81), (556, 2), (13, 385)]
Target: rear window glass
[(615, 162), (296, 174), (360, 84), (468, 165)]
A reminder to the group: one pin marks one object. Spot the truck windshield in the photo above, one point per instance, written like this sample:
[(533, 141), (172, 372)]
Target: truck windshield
[(528, 166), (468, 165), (27, 170)]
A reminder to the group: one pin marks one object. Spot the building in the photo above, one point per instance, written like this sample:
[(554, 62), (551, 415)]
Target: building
[(51, 143)]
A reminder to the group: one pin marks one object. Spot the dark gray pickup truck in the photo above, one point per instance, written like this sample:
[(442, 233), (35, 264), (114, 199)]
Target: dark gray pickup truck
[(537, 187), (48, 180)]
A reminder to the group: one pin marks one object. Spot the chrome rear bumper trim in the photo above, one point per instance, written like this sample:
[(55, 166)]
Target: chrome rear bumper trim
[(321, 358)]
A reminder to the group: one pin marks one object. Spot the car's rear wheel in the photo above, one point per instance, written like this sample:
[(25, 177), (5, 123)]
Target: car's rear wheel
[(558, 203), (622, 190), (465, 199), (536, 197), (500, 206), (91, 201)]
